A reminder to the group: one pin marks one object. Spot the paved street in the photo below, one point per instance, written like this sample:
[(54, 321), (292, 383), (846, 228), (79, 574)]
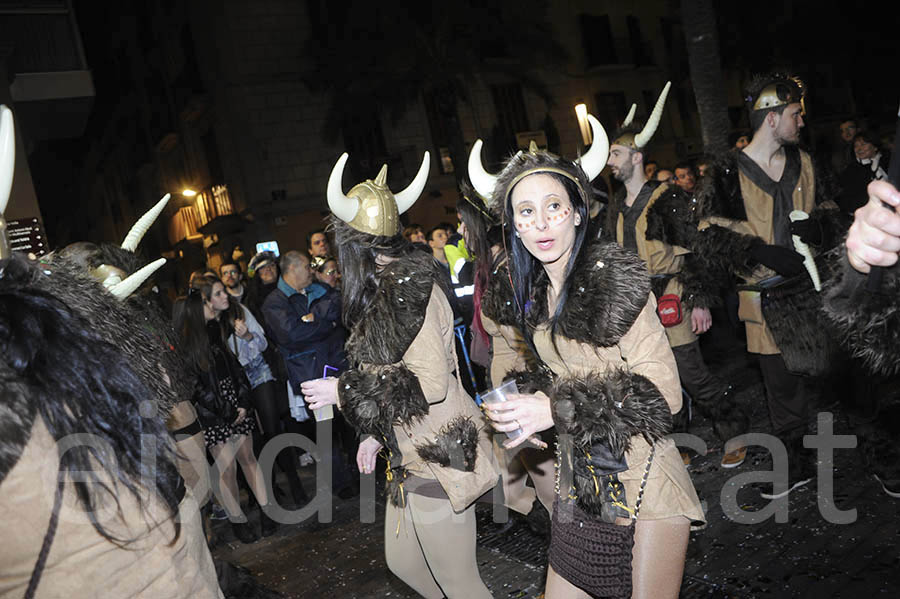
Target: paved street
[(806, 556)]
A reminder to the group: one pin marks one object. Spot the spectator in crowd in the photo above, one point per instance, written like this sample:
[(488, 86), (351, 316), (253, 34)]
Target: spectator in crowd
[(317, 244), (685, 178), (263, 269), (222, 399), (842, 156), (327, 272), (437, 239), (739, 140), (303, 318), (703, 165), (414, 234), (233, 279), (650, 168), (869, 164), (665, 176)]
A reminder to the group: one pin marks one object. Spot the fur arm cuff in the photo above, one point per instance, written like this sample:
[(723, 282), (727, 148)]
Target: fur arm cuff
[(372, 400), (699, 290), (531, 381), (724, 252), (868, 323), (610, 408), (456, 445)]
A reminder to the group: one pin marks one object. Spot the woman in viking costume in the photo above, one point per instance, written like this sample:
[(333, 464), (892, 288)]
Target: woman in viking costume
[(607, 381), (403, 392), (89, 494)]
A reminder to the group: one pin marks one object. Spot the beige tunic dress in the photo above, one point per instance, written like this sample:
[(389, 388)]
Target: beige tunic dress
[(81, 563), (643, 350)]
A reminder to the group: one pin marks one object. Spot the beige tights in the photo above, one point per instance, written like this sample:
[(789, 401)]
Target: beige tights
[(434, 550)]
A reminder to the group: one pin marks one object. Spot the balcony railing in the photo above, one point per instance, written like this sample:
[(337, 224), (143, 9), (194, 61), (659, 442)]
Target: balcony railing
[(207, 205)]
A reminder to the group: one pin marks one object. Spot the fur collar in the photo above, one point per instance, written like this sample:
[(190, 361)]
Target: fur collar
[(609, 289), (719, 193), (396, 313), (672, 218)]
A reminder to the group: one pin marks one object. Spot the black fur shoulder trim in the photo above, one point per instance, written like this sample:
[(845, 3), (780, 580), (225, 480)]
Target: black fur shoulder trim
[(672, 219), (396, 313), (719, 193), (609, 289), (498, 302), (456, 445)]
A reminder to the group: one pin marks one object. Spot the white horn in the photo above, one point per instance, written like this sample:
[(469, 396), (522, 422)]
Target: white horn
[(341, 206), (643, 138), (128, 286), (7, 155), (594, 159), (140, 228), (482, 181), (630, 116), (407, 197)]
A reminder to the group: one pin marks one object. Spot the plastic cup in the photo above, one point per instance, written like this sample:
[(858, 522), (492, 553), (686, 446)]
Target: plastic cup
[(326, 413), (499, 395)]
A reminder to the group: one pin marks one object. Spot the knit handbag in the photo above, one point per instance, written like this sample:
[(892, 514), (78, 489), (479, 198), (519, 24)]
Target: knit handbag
[(592, 554)]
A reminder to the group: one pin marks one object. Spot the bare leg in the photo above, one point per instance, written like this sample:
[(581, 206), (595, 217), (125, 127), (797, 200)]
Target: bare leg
[(560, 588), (658, 557), (404, 554), (252, 471), (223, 454)]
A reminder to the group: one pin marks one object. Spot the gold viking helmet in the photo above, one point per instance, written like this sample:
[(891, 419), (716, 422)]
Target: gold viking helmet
[(593, 161), (639, 141), (792, 90), (370, 207), (7, 167)]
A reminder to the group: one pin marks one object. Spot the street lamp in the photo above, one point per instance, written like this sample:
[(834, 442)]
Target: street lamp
[(189, 193), (583, 124)]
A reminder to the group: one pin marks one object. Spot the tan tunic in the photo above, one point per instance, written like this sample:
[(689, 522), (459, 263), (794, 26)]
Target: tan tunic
[(759, 206), (661, 259), (644, 350), (81, 563), (432, 358)]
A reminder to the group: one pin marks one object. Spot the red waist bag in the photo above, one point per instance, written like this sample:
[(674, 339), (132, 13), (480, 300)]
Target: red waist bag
[(669, 310)]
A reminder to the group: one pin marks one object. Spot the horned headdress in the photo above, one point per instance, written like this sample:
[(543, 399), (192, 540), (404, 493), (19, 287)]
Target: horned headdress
[(581, 171), (638, 140), (370, 207), (7, 166)]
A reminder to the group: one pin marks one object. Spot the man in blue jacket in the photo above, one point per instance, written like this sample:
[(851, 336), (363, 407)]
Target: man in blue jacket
[(304, 319)]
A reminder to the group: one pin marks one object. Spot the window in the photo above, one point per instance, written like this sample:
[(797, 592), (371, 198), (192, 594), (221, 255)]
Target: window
[(509, 103), (640, 50), (610, 107), (596, 34)]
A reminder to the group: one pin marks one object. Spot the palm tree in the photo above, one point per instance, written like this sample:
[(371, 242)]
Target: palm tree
[(699, 21), (380, 56)]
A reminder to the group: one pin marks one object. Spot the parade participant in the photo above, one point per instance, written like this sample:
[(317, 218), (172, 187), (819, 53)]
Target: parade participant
[(403, 392), (746, 232), (508, 354), (869, 319), (73, 364), (222, 399), (587, 313), (648, 217)]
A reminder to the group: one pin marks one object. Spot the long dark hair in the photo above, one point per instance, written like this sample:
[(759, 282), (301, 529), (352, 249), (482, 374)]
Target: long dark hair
[(192, 326), (356, 259), (482, 233), (55, 364), (525, 271)]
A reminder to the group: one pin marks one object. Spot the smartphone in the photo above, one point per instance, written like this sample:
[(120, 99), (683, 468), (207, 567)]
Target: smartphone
[(326, 413)]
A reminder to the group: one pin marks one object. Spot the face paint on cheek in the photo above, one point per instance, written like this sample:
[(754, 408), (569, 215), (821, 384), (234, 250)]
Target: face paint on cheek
[(559, 217), (525, 225)]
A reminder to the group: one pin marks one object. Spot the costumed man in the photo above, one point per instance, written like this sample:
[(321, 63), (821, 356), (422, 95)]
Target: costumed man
[(403, 391), (746, 230), (867, 317), (651, 218), (109, 515)]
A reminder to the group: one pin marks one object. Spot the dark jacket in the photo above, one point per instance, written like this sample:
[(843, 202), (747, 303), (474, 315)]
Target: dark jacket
[(212, 408), (307, 347)]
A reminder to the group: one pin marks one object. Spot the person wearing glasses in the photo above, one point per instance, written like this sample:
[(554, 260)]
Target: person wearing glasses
[(327, 272), (233, 279)]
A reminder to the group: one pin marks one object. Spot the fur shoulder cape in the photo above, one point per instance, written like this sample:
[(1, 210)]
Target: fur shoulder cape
[(672, 218), (396, 313)]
